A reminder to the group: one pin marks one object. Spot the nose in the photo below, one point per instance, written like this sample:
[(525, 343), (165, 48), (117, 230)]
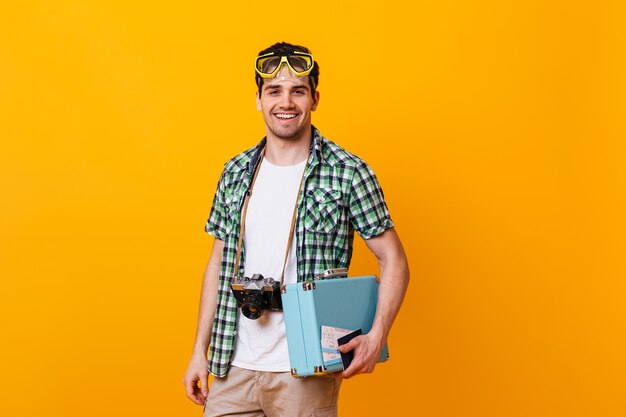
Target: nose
[(285, 100)]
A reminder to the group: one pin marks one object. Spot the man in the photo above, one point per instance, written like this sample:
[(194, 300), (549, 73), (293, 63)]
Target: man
[(295, 199)]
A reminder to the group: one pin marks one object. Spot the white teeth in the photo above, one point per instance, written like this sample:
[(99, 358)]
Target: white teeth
[(285, 115)]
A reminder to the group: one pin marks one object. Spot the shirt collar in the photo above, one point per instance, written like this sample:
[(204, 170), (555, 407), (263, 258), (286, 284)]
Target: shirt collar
[(316, 149)]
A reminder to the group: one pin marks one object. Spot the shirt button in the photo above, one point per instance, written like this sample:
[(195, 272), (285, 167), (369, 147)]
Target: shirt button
[(234, 332)]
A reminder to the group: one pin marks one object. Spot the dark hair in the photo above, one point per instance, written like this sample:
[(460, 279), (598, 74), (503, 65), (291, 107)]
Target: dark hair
[(283, 48)]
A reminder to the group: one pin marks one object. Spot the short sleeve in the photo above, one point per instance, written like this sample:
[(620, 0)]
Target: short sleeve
[(216, 224), (369, 214)]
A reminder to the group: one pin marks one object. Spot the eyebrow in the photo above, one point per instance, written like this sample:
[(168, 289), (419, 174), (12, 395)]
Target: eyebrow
[(268, 86)]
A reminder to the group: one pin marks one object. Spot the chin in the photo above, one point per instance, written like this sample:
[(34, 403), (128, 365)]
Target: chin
[(288, 135)]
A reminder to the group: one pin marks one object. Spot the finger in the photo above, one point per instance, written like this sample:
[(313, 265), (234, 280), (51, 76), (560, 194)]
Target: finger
[(197, 397), (188, 387), (353, 369), (204, 385), (348, 373), (349, 346), (193, 396)]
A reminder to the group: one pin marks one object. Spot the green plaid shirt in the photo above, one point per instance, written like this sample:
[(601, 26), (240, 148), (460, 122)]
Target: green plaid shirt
[(340, 195)]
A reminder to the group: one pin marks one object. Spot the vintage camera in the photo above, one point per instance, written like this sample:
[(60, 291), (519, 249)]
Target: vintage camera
[(255, 295)]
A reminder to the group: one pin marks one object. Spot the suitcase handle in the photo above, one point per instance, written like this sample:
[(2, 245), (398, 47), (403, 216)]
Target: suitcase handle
[(332, 273)]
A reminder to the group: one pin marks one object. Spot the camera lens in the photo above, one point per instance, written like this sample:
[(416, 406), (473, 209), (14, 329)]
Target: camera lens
[(252, 310)]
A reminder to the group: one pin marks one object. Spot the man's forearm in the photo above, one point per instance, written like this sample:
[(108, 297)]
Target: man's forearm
[(208, 299), (394, 280)]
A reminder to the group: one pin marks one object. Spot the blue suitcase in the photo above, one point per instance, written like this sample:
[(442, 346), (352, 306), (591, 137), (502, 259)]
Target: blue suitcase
[(345, 303)]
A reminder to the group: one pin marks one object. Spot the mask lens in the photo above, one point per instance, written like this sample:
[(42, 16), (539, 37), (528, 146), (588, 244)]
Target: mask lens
[(300, 63), (268, 65)]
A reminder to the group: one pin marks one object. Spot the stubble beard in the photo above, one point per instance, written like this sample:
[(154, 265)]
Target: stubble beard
[(288, 134)]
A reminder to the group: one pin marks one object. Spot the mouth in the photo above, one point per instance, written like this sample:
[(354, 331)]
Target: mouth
[(285, 117)]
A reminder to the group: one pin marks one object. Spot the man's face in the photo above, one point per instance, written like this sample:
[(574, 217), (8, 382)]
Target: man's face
[(287, 102)]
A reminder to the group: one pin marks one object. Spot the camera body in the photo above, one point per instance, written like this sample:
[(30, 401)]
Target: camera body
[(255, 295)]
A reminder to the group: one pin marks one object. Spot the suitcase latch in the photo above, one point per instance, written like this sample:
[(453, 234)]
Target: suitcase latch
[(319, 370)]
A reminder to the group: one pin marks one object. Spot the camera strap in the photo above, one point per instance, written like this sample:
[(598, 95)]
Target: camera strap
[(245, 209)]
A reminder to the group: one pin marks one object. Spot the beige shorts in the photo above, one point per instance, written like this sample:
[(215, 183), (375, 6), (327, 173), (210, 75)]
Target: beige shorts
[(248, 393)]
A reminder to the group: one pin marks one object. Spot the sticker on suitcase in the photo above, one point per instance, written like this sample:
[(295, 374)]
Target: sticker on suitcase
[(330, 349)]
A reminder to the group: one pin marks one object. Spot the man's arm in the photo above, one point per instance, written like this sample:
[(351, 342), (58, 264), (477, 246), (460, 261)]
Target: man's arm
[(197, 369), (394, 279)]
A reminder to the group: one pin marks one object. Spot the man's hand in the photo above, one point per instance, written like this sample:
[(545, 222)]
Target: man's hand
[(366, 349), (197, 372)]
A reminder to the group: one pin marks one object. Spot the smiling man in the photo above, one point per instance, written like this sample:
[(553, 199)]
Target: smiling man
[(284, 211)]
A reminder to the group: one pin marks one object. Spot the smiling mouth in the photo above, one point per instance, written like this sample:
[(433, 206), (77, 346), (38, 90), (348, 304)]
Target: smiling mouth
[(285, 116)]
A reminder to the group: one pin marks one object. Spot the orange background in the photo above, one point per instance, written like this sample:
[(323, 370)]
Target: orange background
[(496, 129)]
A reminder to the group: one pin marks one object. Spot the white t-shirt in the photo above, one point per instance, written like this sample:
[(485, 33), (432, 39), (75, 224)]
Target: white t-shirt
[(262, 344)]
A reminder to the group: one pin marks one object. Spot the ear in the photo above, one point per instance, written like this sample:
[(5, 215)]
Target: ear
[(316, 100), (258, 102)]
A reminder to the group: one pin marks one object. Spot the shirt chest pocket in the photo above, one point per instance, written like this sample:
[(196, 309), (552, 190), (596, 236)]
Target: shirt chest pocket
[(233, 203), (322, 210)]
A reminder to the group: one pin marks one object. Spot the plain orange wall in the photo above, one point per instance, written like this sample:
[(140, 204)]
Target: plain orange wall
[(496, 129)]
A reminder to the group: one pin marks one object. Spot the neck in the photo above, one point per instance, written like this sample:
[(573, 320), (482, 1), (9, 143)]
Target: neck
[(286, 152)]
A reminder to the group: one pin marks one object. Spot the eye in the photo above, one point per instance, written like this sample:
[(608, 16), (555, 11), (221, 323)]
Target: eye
[(272, 92), (299, 92)]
